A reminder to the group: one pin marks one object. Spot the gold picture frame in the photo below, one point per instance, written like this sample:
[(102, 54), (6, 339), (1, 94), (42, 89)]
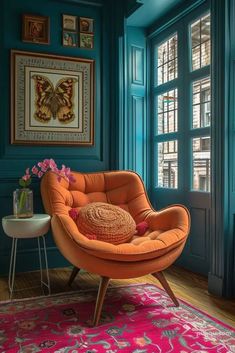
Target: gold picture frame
[(35, 29), (86, 41), (69, 22), (86, 25), (70, 39), (52, 99)]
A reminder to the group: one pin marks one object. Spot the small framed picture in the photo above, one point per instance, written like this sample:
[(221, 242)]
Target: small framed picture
[(69, 22), (35, 29), (86, 41), (70, 39), (86, 25)]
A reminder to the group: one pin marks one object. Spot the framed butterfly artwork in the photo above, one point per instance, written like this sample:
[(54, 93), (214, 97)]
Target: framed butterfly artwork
[(52, 99)]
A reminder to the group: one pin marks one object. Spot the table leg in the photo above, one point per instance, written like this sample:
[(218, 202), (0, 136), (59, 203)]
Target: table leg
[(11, 277), (47, 284), (46, 262), (40, 261)]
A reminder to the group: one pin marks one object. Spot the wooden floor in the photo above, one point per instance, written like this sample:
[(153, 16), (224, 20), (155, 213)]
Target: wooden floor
[(186, 285)]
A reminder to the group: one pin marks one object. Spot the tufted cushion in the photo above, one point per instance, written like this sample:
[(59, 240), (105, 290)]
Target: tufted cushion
[(107, 222)]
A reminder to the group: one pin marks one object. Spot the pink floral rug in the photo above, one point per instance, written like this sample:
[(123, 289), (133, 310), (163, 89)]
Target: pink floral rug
[(136, 319)]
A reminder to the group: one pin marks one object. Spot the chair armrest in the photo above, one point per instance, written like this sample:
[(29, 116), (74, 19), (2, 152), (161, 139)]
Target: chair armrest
[(172, 217)]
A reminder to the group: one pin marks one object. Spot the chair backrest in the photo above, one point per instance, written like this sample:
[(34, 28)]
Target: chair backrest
[(121, 188)]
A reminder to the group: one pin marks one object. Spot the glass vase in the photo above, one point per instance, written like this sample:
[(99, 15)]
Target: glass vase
[(23, 203)]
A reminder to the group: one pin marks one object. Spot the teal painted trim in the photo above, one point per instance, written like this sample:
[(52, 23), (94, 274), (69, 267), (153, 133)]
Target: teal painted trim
[(117, 84), (135, 118), (220, 85), (230, 236), (215, 285), (137, 65), (128, 138), (96, 3), (121, 104), (149, 146), (170, 20), (105, 91), (2, 81), (132, 6)]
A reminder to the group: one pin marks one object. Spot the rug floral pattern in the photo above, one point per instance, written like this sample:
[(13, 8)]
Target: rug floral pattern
[(136, 319)]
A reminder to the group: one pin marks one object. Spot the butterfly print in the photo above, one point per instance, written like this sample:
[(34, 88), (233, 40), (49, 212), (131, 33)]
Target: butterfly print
[(53, 102)]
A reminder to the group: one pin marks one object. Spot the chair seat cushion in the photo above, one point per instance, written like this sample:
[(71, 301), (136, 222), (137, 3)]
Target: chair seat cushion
[(106, 222)]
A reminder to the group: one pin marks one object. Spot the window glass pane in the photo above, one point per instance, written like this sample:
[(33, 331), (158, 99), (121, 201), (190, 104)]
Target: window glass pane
[(196, 56), (168, 164), (168, 105), (160, 75), (195, 33), (167, 61), (205, 53), (201, 163), (201, 103), (172, 69), (200, 42), (205, 28)]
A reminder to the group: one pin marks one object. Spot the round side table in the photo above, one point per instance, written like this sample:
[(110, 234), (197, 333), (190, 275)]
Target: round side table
[(25, 228)]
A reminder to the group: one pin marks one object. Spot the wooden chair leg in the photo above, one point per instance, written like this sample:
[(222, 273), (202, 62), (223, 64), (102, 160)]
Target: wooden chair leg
[(73, 275), (164, 283), (104, 281)]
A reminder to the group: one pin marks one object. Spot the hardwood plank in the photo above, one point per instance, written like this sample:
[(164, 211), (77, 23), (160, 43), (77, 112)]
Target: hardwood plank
[(186, 285)]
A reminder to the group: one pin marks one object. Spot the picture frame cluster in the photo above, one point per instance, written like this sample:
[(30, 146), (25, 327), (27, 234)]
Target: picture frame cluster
[(35, 29), (77, 31)]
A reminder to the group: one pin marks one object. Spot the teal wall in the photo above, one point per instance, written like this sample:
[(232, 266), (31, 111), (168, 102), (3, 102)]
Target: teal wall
[(14, 159)]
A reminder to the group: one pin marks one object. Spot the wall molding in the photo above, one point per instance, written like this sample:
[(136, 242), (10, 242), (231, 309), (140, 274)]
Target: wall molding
[(139, 131), (96, 3), (137, 54), (219, 259), (215, 284)]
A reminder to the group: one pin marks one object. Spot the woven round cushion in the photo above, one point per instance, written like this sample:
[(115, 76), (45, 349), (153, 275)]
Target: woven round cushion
[(107, 222)]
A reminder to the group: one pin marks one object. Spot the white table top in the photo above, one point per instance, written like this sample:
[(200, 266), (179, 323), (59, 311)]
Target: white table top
[(32, 227)]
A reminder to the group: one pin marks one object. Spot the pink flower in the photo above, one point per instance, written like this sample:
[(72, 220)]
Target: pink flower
[(40, 174), (42, 167), (27, 176), (52, 164), (35, 170), (71, 178), (65, 173), (59, 178)]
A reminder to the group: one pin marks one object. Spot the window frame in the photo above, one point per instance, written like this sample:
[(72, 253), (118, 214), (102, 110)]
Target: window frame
[(185, 131)]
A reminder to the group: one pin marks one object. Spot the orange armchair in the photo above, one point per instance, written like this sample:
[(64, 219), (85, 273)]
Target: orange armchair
[(149, 255)]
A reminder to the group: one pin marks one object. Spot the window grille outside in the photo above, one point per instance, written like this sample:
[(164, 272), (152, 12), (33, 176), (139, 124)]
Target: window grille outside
[(167, 112), (201, 103), (167, 60), (201, 163), (201, 42), (168, 164)]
